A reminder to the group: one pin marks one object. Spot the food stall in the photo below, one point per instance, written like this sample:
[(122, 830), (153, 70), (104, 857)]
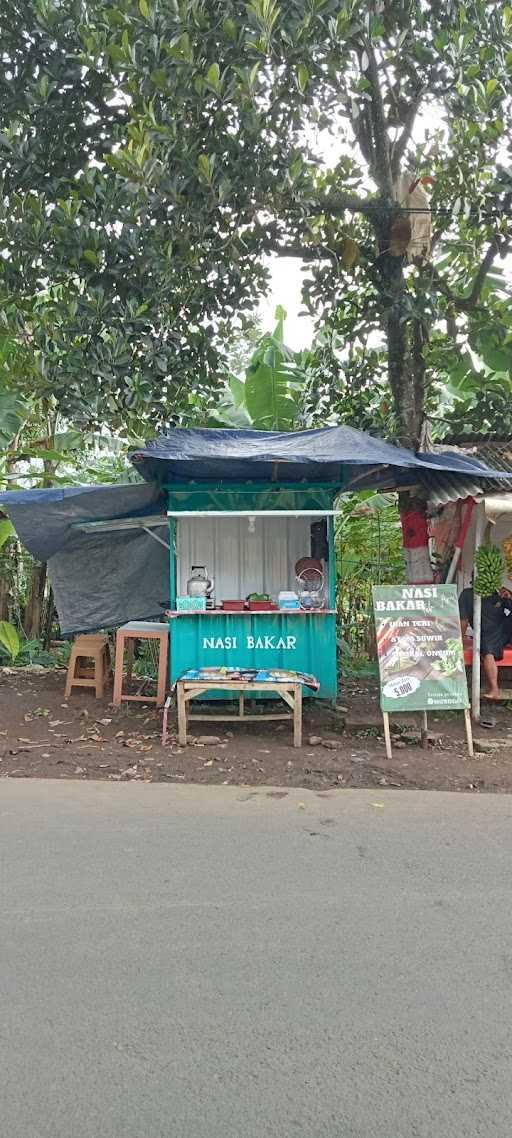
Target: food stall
[(262, 562)]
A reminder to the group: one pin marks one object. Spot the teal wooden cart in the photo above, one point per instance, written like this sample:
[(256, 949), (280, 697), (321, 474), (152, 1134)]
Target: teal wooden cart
[(250, 538)]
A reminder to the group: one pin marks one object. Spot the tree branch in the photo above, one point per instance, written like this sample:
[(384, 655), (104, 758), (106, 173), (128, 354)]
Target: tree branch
[(338, 204), (497, 248), (304, 252), (382, 166), (399, 147)]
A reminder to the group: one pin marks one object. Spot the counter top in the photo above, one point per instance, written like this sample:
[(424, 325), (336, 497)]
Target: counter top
[(252, 612)]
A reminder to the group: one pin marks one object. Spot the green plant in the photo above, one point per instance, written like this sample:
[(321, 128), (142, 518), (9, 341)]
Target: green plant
[(9, 640)]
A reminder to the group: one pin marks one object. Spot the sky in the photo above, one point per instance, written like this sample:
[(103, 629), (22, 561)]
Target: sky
[(285, 289)]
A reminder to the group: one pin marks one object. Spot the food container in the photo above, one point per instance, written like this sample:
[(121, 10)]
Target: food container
[(233, 606), (262, 606), (288, 601)]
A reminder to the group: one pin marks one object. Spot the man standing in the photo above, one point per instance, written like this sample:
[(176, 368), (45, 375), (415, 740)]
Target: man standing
[(496, 631)]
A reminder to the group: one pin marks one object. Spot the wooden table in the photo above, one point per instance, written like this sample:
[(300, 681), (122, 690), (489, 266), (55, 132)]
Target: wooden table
[(187, 690), (126, 637)]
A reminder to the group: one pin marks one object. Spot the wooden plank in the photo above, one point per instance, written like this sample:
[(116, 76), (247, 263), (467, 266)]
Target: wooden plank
[(182, 716), (118, 672), (237, 719), (187, 695), (297, 717), (387, 735), (469, 732), (163, 652)]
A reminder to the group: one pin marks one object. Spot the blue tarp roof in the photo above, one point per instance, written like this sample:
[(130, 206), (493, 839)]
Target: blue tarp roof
[(331, 454), (43, 518)]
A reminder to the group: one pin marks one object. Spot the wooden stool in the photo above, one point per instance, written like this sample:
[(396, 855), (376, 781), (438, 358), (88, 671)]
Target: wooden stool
[(126, 637), (89, 664)]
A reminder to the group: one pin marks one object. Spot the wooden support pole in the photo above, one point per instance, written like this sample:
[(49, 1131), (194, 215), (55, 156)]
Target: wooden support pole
[(477, 623), (469, 732), (182, 715), (387, 735), (297, 716), (424, 730)]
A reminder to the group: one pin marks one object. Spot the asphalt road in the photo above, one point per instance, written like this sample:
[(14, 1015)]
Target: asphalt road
[(204, 962)]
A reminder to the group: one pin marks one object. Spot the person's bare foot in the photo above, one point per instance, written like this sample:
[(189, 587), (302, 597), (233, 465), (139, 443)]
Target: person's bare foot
[(493, 694)]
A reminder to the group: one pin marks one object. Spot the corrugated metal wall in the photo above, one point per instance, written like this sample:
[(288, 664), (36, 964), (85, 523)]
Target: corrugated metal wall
[(240, 561)]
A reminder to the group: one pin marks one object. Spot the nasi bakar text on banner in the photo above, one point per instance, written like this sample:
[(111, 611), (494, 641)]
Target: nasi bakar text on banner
[(419, 647)]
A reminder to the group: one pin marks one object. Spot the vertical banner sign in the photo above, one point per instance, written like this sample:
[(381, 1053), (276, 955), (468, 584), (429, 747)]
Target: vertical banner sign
[(419, 648)]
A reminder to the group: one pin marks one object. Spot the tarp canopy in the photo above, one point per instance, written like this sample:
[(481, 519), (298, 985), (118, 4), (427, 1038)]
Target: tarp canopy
[(341, 455), (100, 580)]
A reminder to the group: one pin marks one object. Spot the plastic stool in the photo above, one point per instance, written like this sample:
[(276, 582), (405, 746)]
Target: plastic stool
[(89, 664)]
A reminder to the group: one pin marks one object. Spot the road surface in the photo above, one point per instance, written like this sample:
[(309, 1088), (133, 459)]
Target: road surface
[(214, 962)]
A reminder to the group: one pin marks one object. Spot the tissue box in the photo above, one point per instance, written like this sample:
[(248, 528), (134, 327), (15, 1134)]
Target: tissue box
[(191, 604)]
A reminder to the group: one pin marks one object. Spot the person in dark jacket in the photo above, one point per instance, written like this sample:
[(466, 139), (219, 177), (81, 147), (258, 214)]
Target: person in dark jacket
[(496, 631)]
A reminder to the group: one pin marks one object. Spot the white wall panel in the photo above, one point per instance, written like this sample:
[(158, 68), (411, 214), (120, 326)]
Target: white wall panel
[(242, 562)]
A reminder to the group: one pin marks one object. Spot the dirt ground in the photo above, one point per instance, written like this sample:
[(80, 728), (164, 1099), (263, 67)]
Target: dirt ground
[(43, 735)]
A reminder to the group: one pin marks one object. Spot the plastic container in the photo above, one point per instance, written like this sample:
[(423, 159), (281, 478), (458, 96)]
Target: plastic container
[(288, 601), (262, 606), (233, 606)]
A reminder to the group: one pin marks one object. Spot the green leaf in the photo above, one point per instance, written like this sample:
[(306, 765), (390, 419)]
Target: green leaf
[(9, 639), (91, 256), (273, 383), (237, 388), (302, 77), (7, 530), (144, 9), (13, 414), (213, 76), (491, 86), (205, 166)]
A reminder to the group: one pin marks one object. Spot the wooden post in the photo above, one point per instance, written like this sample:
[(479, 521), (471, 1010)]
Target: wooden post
[(241, 705), (387, 735), (424, 730), (182, 715), (469, 732), (477, 624), (297, 716), (118, 673), (163, 648)]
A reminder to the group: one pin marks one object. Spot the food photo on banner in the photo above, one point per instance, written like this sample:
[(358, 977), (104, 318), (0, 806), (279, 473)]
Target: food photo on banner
[(419, 648)]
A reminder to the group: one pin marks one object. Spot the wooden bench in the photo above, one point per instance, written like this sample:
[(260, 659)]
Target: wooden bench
[(187, 690), (506, 662)]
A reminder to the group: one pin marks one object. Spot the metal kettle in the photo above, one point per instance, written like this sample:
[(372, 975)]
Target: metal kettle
[(199, 584)]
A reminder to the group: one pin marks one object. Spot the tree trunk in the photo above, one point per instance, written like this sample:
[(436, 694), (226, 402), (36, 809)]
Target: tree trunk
[(407, 335), (5, 593), (32, 623), (48, 619)]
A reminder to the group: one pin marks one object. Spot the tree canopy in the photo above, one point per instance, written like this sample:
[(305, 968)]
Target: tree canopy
[(156, 152)]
